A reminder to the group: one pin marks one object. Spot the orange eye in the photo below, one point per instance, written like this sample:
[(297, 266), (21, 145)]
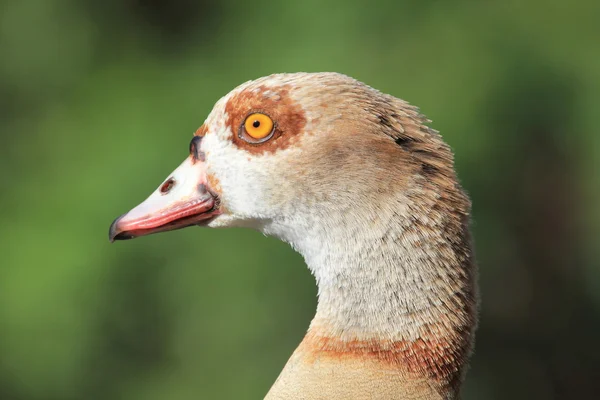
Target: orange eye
[(258, 126)]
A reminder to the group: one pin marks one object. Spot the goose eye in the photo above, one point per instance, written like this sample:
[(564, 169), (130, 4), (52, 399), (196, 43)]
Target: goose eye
[(259, 127)]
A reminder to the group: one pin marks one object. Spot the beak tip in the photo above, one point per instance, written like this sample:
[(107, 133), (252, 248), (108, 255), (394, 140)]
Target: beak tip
[(113, 231)]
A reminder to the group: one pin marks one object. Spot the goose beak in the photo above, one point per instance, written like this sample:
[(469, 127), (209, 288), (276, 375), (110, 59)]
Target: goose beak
[(183, 200)]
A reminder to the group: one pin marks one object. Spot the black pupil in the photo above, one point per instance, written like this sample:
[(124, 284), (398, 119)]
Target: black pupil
[(256, 124)]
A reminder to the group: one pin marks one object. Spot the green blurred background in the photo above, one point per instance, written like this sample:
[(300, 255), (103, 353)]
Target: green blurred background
[(98, 101)]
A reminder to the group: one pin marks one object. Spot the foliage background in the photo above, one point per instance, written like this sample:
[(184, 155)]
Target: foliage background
[(98, 101)]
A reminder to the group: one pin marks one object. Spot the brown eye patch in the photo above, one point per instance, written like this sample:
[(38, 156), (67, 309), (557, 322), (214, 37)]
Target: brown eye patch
[(287, 115)]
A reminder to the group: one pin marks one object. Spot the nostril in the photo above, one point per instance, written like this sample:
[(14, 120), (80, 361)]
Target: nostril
[(167, 186)]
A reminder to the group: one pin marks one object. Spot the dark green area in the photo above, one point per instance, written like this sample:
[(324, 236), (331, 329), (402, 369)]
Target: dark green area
[(97, 104)]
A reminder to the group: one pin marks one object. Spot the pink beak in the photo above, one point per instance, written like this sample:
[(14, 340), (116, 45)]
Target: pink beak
[(183, 200)]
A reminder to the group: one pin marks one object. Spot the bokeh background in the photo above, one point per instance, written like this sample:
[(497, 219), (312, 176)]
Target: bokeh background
[(98, 101)]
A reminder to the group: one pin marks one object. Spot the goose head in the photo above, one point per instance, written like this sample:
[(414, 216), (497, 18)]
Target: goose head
[(356, 182)]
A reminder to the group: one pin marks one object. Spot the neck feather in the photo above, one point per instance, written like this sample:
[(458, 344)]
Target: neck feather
[(395, 293)]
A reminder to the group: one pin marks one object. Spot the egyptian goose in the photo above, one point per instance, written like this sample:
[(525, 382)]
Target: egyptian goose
[(356, 182)]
